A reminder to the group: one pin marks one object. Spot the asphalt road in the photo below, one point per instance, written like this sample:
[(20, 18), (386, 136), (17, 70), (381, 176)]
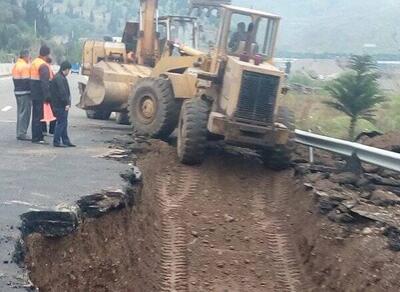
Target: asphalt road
[(40, 177)]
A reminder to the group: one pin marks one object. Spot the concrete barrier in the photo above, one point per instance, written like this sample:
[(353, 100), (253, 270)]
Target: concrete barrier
[(5, 69)]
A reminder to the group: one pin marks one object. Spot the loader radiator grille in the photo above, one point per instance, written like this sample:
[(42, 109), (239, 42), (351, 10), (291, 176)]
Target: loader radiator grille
[(257, 97)]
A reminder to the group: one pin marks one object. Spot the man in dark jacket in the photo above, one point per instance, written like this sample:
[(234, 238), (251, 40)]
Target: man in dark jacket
[(41, 75), (61, 103)]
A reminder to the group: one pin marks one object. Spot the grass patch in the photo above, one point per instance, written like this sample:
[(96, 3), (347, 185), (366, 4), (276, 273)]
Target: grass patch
[(312, 114)]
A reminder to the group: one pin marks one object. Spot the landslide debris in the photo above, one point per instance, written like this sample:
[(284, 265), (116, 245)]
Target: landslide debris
[(232, 225), (388, 141)]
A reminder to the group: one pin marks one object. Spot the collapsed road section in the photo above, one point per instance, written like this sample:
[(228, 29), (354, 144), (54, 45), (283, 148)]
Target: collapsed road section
[(227, 225)]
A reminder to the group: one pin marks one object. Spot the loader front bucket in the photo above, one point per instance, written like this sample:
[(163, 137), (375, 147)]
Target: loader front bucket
[(109, 86)]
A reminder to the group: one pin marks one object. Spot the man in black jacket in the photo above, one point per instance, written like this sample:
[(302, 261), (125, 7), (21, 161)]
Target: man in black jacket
[(41, 75), (61, 103)]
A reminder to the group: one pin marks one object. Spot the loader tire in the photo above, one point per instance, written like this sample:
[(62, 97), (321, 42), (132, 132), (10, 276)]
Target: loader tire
[(122, 119), (153, 108), (280, 157), (98, 114), (286, 116), (192, 131)]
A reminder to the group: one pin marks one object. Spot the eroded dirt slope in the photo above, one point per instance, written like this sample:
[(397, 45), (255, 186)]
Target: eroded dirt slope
[(227, 225)]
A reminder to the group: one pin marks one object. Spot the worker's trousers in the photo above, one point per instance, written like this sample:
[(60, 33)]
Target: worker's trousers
[(61, 130), (24, 109), (37, 116)]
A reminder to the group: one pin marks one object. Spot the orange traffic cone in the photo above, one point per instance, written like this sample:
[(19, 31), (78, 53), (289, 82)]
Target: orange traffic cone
[(48, 115)]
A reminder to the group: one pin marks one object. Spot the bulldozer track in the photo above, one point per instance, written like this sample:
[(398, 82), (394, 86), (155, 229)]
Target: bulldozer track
[(268, 210), (172, 191)]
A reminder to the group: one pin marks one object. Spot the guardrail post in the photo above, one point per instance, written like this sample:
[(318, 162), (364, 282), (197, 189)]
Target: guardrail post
[(353, 164), (311, 153)]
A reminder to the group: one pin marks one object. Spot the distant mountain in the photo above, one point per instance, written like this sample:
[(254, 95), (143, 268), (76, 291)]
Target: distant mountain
[(308, 26), (335, 26)]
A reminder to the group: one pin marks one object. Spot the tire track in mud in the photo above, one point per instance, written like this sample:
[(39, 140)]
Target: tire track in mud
[(268, 208), (171, 193)]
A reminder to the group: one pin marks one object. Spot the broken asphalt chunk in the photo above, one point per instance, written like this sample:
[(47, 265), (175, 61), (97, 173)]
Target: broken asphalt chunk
[(102, 203), (49, 223), (133, 176)]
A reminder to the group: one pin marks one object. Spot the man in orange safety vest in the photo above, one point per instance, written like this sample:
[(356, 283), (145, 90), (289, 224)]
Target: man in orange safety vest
[(41, 75), (21, 76)]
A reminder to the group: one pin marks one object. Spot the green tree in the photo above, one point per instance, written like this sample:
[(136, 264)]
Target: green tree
[(356, 93)]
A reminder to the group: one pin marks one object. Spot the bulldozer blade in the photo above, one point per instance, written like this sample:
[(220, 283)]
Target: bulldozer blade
[(208, 5), (94, 91), (109, 86)]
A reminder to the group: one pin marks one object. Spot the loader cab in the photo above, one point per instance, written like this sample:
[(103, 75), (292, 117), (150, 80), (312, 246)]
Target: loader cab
[(247, 33), (178, 29)]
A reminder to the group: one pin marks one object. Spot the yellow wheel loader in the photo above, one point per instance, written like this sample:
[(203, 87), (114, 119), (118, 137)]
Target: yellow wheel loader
[(230, 91), (110, 69)]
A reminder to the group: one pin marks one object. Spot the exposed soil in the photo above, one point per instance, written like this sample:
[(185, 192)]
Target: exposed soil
[(389, 141), (227, 225)]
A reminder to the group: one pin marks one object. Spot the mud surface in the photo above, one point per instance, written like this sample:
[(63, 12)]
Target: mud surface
[(227, 225), (389, 141)]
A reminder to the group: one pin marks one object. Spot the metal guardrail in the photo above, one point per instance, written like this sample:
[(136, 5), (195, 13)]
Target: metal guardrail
[(376, 156)]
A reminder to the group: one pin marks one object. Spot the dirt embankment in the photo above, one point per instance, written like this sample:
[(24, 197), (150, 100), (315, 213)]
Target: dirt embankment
[(227, 225)]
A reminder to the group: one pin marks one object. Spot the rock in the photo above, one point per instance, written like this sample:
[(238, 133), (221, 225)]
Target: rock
[(322, 168), (349, 204), (326, 184), (18, 255), (49, 223), (365, 184), (365, 195), (353, 165), (314, 177), (299, 160), (195, 233), (220, 265), (345, 178), (366, 231), (370, 168), (326, 205), (394, 190), (393, 235), (378, 180), (102, 203), (329, 201), (308, 186), (384, 198), (301, 169), (132, 176), (132, 193), (334, 195), (376, 213), (388, 173), (338, 217), (229, 218)]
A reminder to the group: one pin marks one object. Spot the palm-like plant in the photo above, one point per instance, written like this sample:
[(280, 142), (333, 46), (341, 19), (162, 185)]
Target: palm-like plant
[(356, 93)]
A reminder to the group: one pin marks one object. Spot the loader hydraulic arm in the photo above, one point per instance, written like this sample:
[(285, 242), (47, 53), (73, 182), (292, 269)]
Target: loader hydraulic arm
[(146, 49)]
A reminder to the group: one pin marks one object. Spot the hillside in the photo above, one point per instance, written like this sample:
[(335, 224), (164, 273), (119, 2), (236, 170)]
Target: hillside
[(308, 26), (335, 26)]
